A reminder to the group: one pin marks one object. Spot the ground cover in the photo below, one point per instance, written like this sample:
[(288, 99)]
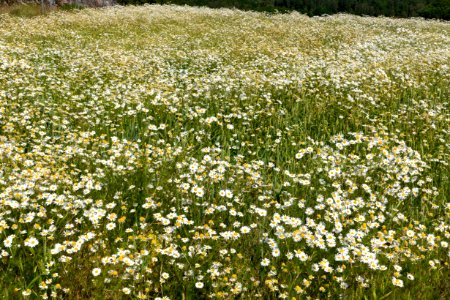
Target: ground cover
[(190, 153)]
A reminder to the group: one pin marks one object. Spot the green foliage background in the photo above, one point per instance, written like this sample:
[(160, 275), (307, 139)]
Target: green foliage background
[(395, 8)]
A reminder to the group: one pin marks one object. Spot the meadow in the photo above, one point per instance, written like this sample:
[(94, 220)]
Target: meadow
[(167, 152)]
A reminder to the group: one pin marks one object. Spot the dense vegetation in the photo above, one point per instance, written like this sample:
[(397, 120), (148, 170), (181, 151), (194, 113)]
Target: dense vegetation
[(160, 152), (438, 9), (398, 8)]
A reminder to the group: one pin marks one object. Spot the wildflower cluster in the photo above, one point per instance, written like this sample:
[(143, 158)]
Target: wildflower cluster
[(163, 152)]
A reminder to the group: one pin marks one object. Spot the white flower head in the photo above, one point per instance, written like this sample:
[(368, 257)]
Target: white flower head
[(96, 272), (31, 242)]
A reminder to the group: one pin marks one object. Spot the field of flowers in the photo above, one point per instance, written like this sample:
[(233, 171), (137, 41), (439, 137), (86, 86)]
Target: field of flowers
[(165, 152)]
